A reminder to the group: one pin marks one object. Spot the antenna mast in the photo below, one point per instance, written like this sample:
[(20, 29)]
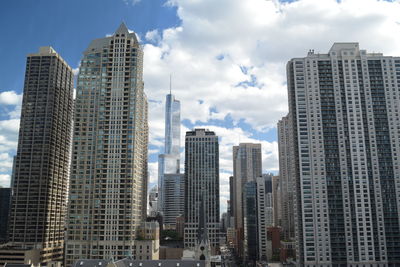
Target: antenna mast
[(170, 82)]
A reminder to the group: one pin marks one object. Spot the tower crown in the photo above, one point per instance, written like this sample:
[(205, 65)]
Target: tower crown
[(122, 29)]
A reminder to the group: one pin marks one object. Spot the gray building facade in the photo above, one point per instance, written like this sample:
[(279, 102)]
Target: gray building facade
[(174, 198), (286, 179), (247, 166), (201, 182)]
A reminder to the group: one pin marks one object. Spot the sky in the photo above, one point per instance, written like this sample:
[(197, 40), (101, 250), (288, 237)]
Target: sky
[(227, 59)]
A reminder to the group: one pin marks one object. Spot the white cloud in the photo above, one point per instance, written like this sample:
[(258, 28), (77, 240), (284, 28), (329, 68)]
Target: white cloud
[(206, 51), (10, 102), (153, 36), (10, 98), (5, 180), (229, 59), (153, 173), (132, 2)]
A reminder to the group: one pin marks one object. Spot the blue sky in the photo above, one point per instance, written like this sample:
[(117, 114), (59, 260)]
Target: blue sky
[(68, 26), (227, 58)]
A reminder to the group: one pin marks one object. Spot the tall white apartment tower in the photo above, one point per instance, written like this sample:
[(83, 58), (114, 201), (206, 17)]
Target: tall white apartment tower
[(201, 184), (345, 124), (108, 188)]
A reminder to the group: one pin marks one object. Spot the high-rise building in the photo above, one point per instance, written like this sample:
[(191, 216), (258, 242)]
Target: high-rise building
[(201, 184), (108, 188), (153, 202), (41, 166), (276, 200), (250, 223), (264, 213), (169, 162), (344, 120), (5, 202), (286, 180), (174, 198), (246, 167)]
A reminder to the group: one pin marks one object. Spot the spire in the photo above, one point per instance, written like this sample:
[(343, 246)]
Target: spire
[(122, 28), (202, 235), (170, 82)]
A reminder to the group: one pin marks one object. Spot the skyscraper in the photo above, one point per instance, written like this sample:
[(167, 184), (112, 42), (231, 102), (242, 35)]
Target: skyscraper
[(265, 216), (250, 223), (169, 162), (344, 120), (246, 167), (5, 203), (201, 184), (286, 179), (41, 170), (108, 189), (276, 200), (153, 202), (174, 198)]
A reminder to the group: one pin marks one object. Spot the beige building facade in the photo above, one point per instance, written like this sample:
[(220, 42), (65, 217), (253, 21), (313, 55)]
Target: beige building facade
[(108, 188)]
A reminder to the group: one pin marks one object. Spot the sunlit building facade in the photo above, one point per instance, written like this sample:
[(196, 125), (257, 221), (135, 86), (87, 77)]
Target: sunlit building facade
[(344, 118), (108, 188)]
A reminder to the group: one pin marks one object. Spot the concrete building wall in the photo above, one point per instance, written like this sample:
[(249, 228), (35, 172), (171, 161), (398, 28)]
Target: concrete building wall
[(201, 182), (344, 114), (41, 166)]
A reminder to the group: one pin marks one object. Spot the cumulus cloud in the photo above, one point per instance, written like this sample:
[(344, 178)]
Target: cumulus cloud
[(10, 103), (131, 2), (10, 98), (228, 60), (153, 36), (5, 180)]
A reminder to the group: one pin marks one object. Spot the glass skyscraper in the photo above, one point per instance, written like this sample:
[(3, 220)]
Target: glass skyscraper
[(169, 162)]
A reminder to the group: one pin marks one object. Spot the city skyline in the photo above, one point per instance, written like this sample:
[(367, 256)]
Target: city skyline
[(250, 67), (278, 142)]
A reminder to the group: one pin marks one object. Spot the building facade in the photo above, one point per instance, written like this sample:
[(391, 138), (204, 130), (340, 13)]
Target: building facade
[(153, 202), (344, 120), (276, 200), (108, 188), (286, 184), (5, 204), (174, 198), (250, 223), (201, 182), (265, 216), (247, 166), (169, 162), (41, 166)]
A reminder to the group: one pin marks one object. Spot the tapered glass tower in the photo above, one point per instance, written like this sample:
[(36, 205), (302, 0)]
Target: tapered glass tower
[(169, 162)]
